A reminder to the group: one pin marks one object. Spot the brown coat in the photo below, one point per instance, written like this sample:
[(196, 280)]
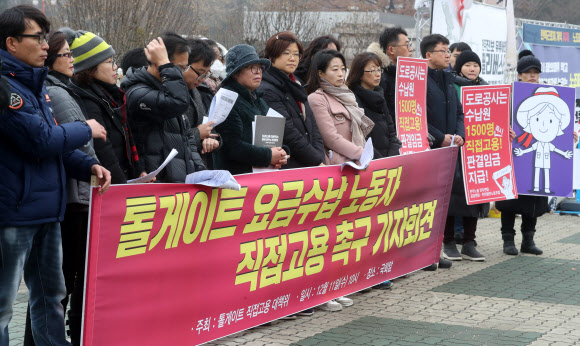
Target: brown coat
[(334, 123)]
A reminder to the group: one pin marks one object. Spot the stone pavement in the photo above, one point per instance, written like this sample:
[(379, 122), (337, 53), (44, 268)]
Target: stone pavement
[(521, 300)]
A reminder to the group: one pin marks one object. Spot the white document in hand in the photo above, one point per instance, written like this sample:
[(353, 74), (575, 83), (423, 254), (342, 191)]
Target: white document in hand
[(147, 178), (222, 105), (273, 113), (217, 178), (365, 159)]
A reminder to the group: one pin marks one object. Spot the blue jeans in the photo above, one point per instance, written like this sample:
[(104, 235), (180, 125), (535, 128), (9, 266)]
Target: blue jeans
[(37, 251)]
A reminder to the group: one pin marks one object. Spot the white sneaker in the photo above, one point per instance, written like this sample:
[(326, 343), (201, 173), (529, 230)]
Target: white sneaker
[(330, 306), (344, 301)]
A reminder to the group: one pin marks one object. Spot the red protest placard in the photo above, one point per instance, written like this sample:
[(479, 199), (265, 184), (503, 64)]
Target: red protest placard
[(488, 173), (411, 104), (183, 264)]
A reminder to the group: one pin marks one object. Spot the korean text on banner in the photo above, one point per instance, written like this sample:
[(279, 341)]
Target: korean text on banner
[(411, 104), (177, 264), (483, 27), (543, 120), (488, 173)]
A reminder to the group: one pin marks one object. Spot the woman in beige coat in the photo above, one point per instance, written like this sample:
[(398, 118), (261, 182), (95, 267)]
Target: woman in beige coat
[(342, 124)]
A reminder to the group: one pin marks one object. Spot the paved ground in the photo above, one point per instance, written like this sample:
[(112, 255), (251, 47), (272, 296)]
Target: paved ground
[(522, 300)]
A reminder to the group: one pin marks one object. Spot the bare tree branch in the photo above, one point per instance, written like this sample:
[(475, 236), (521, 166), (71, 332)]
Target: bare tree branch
[(126, 24)]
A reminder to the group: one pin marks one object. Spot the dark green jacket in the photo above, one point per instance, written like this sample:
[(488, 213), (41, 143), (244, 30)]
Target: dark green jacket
[(238, 155)]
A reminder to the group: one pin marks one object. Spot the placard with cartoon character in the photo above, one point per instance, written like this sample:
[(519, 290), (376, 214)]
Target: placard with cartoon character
[(486, 155), (543, 120), (576, 184)]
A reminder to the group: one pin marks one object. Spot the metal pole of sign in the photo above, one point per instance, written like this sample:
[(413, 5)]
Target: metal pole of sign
[(422, 20)]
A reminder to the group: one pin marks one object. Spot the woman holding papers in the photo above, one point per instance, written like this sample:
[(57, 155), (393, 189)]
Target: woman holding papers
[(363, 80), (342, 123), (244, 75), (95, 79), (285, 94)]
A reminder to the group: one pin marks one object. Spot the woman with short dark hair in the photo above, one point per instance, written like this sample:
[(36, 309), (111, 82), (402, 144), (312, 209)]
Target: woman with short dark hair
[(315, 46), (363, 80), (284, 93)]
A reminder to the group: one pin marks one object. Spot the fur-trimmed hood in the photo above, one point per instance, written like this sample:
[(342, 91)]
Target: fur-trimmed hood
[(375, 47)]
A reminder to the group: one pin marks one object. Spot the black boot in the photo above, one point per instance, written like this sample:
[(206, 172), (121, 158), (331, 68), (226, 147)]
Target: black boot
[(528, 245), (443, 263), (509, 246)]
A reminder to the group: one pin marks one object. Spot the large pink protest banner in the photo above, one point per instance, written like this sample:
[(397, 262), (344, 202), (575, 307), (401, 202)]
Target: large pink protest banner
[(488, 170), (411, 104), (177, 264)]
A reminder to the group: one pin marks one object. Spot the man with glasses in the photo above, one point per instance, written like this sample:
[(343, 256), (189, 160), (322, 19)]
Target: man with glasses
[(158, 100), (200, 60), (445, 122), (395, 43), (36, 155)]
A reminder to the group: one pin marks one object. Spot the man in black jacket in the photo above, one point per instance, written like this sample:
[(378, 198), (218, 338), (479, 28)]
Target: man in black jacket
[(444, 116), (200, 60), (395, 43), (157, 102)]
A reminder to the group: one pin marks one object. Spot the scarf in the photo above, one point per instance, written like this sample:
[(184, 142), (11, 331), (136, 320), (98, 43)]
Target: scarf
[(118, 101), (360, 125)]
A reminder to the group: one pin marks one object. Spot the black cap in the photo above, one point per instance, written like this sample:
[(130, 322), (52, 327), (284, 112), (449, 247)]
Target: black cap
[(464, 58), (528, 62)]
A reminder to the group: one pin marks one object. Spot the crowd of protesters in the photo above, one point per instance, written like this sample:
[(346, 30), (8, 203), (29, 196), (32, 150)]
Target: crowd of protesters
[(65, 117)]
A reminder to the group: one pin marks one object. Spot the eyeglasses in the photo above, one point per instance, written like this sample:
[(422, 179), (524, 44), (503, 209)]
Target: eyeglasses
[(379, 71), (42, 38), (113, 62), (67, 55), (200, 76), (294, 55), (445, 52), (408, 45), (256, 69)]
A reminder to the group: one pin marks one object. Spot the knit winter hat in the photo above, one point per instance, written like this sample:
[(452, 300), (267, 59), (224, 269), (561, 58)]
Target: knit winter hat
[(465, 57), (529, 62), (88, 49)]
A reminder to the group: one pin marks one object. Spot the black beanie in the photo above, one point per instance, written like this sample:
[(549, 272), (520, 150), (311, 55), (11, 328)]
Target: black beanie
[(464, 58), (528, 62)]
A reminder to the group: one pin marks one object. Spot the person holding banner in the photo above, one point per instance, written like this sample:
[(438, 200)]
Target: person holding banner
[(244, 75), (529, 207), (466, 72), (445, 118), (36, 156), (286, 95), (363, 80), (343, 124)]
